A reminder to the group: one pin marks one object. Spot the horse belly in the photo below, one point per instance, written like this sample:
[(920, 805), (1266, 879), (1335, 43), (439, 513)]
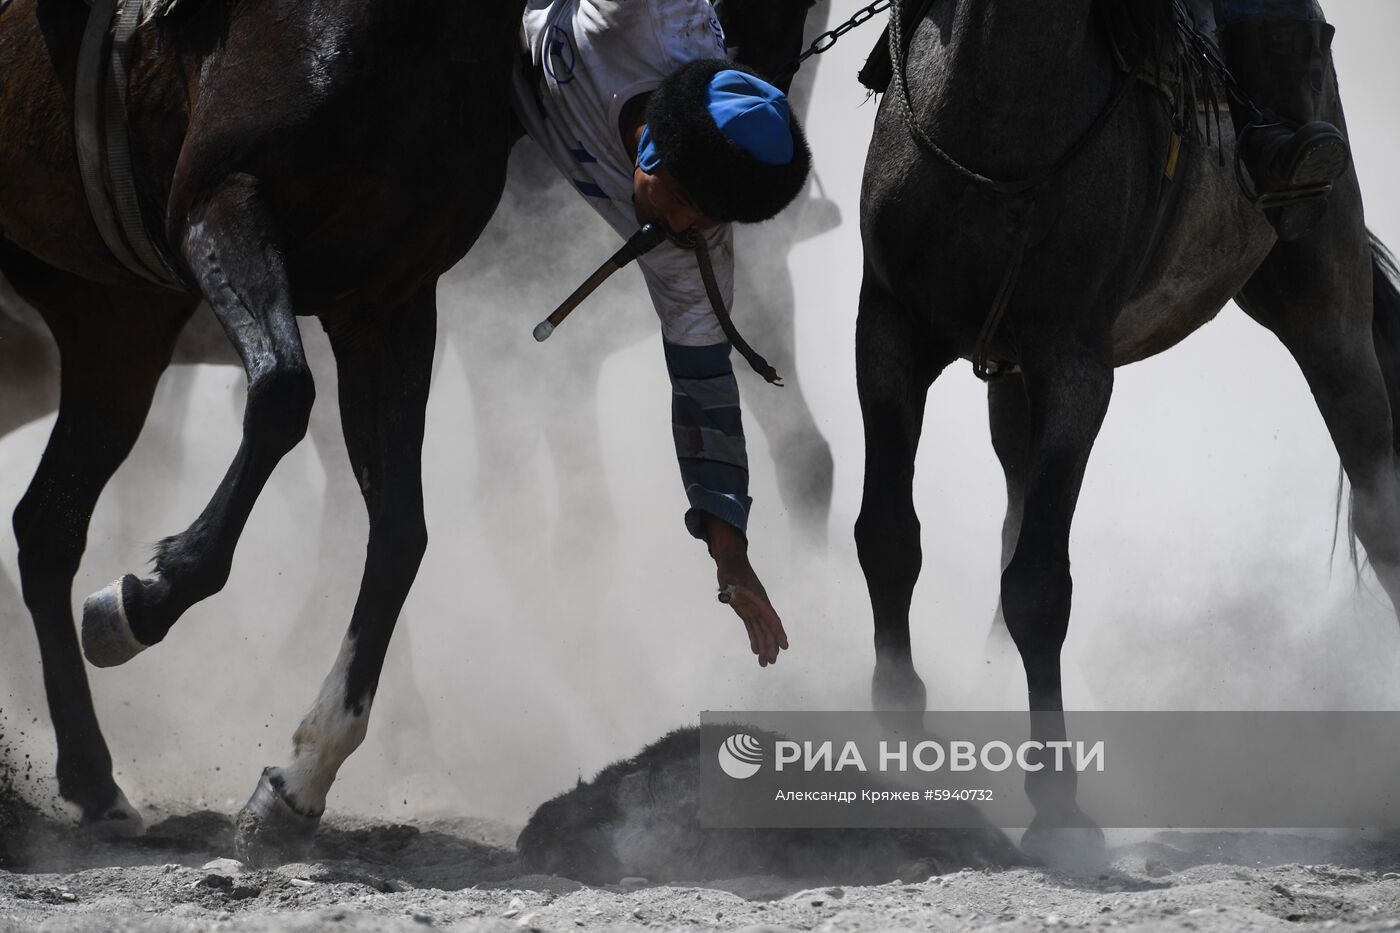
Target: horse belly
[(1212, 247)]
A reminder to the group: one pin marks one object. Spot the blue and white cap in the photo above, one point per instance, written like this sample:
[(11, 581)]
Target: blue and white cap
[(729, 138)]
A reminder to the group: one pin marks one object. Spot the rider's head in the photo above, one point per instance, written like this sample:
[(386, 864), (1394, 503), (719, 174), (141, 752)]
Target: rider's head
[(720, 145)]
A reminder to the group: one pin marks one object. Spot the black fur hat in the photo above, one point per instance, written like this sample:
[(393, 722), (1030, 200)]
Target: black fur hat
[(725, 182)]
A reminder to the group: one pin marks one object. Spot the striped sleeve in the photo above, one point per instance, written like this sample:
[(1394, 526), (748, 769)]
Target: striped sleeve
[(709, 434)]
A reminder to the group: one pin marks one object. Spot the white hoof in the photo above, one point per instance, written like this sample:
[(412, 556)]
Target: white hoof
[(269, 830), (107, 637)]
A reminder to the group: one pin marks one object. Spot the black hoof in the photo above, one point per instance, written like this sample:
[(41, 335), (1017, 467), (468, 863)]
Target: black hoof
[(1070, 843), (269, 830), (107, 636), (119, 820)]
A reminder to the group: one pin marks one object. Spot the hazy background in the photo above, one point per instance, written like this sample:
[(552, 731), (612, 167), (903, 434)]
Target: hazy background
[(1201, 546)]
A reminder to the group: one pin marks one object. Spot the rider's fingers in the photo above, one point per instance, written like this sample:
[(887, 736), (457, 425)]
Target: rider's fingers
[(770, 625)]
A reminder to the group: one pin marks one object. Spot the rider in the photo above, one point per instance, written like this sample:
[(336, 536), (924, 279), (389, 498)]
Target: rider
[(635, 103), (1278, 52)]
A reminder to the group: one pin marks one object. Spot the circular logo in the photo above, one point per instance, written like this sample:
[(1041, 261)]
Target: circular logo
[(740, 756), (559, 55)]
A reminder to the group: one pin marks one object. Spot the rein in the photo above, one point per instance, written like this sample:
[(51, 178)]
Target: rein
[(644, 241), (1020, 195), (707, 275)]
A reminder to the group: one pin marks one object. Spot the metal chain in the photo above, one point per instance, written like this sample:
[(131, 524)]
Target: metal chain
[(828, 39)]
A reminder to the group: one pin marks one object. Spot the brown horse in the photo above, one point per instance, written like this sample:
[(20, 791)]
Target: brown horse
[(328, 158)]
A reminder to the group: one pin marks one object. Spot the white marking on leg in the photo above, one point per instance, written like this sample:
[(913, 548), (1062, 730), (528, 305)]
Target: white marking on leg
[(328, 734)]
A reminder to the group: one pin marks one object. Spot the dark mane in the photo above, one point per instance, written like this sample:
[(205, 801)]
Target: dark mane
[(1168, 44), (1144, 31)]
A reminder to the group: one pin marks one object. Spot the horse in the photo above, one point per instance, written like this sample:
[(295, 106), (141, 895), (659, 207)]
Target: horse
[(282, 174), (330, 159), (1129, 233)]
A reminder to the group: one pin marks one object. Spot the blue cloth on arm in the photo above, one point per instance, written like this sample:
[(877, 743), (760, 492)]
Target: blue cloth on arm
[(709, 435), (1230, 10)]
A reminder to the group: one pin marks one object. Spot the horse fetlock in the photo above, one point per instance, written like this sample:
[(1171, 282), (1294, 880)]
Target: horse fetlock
[(271, 829), (108, 637), (896, 686)]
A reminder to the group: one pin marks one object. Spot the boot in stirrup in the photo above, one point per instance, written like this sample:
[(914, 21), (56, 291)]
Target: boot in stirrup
[(1291, 157)]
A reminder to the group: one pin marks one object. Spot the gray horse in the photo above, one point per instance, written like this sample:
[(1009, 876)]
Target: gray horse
[(1129, 238)]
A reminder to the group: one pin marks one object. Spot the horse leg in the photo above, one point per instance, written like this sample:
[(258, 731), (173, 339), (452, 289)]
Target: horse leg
[(410, 742), (232, 249), (1009, 415), (801, 454), (1067, 390), (896, 362), (1317, 295), (104, 396), (384, 366), (583, 540)]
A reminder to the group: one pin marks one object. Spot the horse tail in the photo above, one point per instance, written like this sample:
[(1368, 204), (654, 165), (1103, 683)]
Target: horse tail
[(1385, 333)]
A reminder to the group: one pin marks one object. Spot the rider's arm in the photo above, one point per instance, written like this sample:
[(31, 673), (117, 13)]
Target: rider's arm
[(709, 435)]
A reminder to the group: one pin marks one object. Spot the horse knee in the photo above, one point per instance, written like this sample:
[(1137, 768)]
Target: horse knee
[(279, 404), (398, 539), (888, 548), (403, 537), (1035, 601), (45, 551)]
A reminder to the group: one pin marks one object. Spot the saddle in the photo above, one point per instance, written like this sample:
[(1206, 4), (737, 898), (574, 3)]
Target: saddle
[(1158, 43), (150, 9), (103, 144)]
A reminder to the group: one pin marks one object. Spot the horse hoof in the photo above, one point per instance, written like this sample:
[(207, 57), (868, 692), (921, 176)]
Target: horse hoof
[(1066, 848), (107, 637), (118, 821), (897, 688), (269, 830)]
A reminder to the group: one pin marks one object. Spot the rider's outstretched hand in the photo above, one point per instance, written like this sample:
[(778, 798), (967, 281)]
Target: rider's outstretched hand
[(740, 587)]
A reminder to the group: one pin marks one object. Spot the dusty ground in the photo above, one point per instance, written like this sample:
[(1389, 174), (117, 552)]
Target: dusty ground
[(462, 874)]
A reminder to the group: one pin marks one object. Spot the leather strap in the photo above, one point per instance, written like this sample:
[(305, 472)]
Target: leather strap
[(707, 275), (100, 98)]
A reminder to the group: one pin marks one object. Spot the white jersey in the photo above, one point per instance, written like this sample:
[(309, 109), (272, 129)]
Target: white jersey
[(589, 58)]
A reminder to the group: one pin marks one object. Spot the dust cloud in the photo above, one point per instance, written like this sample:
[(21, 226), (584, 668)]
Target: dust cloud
[(563, 618)]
